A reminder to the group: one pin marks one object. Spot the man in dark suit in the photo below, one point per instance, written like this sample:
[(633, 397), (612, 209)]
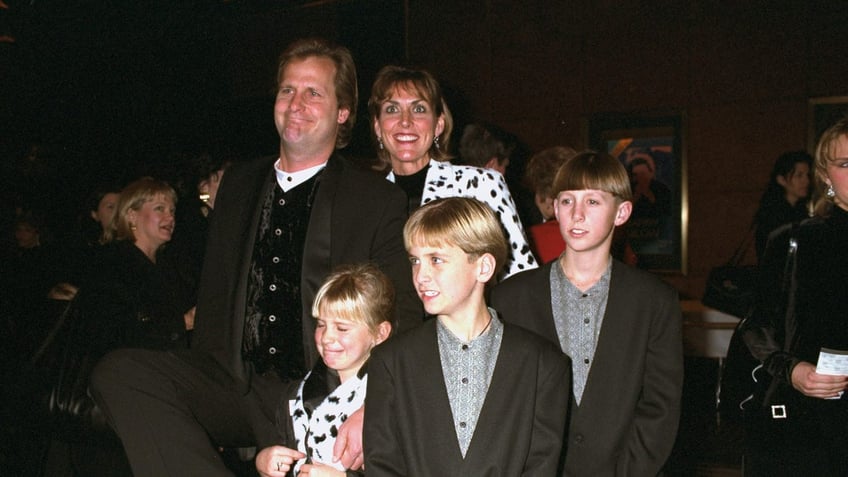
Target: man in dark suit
[(280, 226), (620, 326)]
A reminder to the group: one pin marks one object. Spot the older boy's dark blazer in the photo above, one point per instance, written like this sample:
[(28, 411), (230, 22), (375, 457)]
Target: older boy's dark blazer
[(356, 216), (409, 427), (627, 420)]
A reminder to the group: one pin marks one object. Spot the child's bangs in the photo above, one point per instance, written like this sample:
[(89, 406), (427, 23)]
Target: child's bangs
[(347, 307)]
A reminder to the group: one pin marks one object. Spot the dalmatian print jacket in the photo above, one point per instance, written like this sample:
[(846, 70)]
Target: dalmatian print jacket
[(450, 180), (315, 432)]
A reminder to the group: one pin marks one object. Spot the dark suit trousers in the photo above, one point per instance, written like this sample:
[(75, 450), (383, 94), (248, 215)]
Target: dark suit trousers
[(173, 411)]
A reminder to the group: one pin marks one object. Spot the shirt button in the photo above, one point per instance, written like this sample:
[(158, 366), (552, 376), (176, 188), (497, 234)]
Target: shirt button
[(464, 380), (276, 259), (282, 202), (278, 232), (272, 318), (272, 350), (586, 360), (462, 424), (586, 320), (464, 347), (578, 438), (585, 295), (273, 287)]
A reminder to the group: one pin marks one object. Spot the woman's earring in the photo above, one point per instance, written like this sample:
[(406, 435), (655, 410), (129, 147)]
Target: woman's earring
[(436, 141), (133, 227), (380, 141), (830, 192)]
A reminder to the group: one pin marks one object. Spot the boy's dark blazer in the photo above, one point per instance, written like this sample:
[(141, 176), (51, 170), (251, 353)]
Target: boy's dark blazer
[(356, 216), (627, 421), (409, 427)]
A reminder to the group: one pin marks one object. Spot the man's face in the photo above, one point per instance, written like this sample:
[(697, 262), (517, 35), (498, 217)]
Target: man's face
[(26, 235), (306, 111)]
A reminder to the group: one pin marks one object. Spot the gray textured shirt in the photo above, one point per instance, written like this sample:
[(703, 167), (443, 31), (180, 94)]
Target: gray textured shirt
[(578, 317), (467, 368)]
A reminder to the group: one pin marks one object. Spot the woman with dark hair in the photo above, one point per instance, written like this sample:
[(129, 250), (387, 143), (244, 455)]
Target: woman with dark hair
[(785, 198), (793, 323), (412, 126), (186, 250), (93, 223), (101, 208)]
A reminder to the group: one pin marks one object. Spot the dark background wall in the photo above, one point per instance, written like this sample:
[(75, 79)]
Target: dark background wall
[(123, 88), (741, 72)]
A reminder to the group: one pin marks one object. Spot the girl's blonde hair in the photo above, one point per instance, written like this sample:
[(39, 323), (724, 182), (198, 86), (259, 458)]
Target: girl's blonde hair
[(360, 293)]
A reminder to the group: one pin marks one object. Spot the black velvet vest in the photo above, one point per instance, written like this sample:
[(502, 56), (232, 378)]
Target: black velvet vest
[(273, 334)]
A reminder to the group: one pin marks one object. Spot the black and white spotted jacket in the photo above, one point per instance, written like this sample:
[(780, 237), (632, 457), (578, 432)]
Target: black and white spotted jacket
[(319, 408), (486, 185)]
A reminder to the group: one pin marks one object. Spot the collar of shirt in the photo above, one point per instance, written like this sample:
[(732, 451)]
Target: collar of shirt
[(290, 180)]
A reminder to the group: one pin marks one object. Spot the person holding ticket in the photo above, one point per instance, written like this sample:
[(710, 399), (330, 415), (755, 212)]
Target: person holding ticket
[(808, 346)]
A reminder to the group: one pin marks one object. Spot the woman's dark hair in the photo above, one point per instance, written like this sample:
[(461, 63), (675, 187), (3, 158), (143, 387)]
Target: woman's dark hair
[(418, 81), (783, 167), (99, 192)]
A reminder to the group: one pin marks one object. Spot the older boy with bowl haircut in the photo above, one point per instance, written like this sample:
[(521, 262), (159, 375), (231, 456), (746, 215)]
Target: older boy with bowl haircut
[(463, 394), (620, 326)]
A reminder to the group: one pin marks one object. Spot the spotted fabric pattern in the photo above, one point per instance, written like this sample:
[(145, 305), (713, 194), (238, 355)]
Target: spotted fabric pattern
[(315, 435), (486, 185)]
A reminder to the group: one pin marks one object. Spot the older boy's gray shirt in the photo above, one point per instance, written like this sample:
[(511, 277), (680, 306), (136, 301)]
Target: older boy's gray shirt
[(578, 317), (468, 368)]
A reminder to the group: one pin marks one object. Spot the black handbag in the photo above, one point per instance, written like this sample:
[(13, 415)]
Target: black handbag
[(731, 288), (738, 383), (69, 352), (746, 387), (774, 415)]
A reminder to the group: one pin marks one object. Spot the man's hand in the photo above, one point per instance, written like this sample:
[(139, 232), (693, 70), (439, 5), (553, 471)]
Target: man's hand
[(810, 383), (348, 447), (276, 461), (62, 291)]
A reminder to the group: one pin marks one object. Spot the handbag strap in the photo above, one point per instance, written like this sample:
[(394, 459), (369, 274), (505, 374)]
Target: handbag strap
[(58, 327), (789, 286), (743, 247)]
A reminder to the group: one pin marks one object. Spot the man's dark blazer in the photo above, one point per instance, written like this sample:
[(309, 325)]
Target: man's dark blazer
[(356, 216), (409, 426), (627, 420)]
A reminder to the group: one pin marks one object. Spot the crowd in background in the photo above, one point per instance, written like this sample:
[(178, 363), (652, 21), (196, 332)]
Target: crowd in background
[(128, 254)]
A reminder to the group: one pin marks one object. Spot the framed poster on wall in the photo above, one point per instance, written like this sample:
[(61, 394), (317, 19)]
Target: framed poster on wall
[(651, 148)]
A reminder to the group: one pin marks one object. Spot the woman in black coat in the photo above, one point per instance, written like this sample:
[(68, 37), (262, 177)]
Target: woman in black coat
[(789, 344), (785, 198), (129, 300)]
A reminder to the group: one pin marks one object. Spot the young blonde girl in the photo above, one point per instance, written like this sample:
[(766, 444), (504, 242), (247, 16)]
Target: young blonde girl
[(353, 310)]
